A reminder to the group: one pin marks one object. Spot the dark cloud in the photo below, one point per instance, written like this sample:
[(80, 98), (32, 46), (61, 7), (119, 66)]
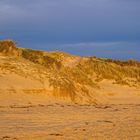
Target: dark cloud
[(70, 21)]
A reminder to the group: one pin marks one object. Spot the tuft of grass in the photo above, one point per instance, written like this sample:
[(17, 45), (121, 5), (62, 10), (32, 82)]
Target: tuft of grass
[(40, 58), (8, 47), (63, 87)]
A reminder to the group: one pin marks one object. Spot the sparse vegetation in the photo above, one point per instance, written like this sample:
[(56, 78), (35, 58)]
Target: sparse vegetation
[(130, 62), (40, 58), (63, 87)]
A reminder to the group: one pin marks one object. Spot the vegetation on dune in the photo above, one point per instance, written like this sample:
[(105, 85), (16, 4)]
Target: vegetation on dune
[(7, 44), (112, 71), (86, 72), (40, 58), (8, 47), (63, 87), (130, 62)]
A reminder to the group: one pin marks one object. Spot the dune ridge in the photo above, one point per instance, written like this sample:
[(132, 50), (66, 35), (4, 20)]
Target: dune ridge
[(67, 77), (58, 96)]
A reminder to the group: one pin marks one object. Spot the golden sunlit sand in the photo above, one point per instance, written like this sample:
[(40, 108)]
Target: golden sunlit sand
[(58, 121), (58, 96)]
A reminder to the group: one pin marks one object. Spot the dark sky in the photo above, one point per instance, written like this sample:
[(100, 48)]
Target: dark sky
[(105, 28)]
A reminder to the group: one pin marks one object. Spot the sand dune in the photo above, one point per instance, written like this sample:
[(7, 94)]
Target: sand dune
[(55, 95)]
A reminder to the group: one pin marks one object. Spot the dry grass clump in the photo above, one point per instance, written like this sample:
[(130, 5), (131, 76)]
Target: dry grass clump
[(8, 47), (40, 58), (63, 87), (77, 75)]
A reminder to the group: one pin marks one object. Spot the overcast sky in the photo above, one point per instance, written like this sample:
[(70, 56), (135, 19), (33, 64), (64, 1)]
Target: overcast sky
[(105, 28)]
